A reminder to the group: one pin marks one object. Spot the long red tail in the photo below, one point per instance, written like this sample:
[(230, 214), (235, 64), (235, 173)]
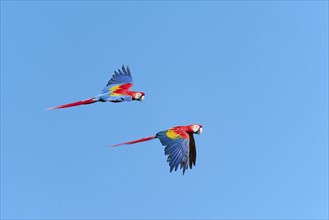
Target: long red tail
[(83, 102), (136, 141)]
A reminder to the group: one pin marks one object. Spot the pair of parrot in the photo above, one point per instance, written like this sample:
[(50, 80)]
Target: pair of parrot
[(178, 141)]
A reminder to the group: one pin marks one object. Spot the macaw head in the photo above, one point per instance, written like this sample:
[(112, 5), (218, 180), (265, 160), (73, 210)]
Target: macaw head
[(139, 96), (195, 128)]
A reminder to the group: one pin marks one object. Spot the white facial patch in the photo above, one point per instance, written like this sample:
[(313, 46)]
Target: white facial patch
[(196, 128)]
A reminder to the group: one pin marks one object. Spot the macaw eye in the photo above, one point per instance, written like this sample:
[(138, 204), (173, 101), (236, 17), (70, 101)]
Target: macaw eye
[(138, 95)]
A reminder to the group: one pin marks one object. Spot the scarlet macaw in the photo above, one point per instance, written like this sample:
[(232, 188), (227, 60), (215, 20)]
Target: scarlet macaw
[(179, 145), (116, 90)]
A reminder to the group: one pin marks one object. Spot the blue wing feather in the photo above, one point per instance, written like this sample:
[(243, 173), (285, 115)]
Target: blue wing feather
[(176, 159), (118, 78), (176, 149), (122, 98)]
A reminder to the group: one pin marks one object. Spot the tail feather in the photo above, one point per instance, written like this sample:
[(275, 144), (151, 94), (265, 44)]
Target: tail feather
[(83, 102), (136, 141)]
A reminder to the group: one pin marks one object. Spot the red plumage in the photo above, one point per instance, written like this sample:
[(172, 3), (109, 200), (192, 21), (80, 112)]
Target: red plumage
[(136, 141), (83, 102)]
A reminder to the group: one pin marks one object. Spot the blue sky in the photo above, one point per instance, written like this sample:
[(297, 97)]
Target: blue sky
[(253, 73)]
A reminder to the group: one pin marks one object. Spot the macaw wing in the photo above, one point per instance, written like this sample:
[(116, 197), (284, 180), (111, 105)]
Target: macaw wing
[(177, 148), (121, 80), (115, 97), (192, 155)]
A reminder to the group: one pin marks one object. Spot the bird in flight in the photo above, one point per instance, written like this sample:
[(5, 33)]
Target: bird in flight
[(116, 90), (179, 145)]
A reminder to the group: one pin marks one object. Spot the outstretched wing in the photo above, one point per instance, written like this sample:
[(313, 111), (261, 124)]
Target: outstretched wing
[(121, 80), (192, 155), (177, 148)]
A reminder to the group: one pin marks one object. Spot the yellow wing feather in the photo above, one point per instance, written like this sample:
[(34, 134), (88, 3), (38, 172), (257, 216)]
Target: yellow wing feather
[(172, 134)]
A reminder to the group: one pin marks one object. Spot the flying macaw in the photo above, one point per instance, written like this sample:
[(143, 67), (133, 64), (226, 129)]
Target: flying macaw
[(116, 90), (179, 145)]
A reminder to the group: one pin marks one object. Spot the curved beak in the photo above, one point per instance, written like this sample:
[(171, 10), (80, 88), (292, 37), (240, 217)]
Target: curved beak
[(141, 98), (200, 130)]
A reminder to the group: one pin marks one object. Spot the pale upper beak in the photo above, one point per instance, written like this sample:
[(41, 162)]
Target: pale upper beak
[(200, 131), (141, 98)]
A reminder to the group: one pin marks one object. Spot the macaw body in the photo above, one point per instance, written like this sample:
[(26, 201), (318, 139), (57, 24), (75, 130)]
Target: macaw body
[(179, 145), (116, 90)]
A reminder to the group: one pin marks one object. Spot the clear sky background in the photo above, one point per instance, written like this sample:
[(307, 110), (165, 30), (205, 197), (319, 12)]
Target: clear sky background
[(254, 74)]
